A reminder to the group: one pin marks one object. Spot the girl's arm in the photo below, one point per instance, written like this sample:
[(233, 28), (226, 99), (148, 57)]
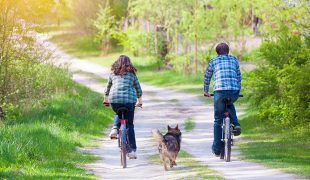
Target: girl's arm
[(138, 90), (139, 101), (107, 90)]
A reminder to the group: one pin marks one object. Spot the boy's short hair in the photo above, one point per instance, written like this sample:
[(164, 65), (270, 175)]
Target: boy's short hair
[(222, 49)]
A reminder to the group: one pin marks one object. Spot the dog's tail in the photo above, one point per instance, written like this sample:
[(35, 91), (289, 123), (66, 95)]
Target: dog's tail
[(158, 136)]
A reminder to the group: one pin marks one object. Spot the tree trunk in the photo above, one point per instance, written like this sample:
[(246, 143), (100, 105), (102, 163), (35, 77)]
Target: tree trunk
[(196, 54), (176, 43), (186, 63)]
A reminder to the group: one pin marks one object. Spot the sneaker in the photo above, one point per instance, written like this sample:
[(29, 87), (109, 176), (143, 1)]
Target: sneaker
[(217, 154), (132, 155), (113, 133), (237, 130)]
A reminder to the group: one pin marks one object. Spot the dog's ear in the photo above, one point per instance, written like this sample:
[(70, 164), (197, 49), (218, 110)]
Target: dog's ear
[(169, 127), (177, 127)]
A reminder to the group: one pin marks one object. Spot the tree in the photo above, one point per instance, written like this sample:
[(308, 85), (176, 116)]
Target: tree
[(22, 75), (106, 25)]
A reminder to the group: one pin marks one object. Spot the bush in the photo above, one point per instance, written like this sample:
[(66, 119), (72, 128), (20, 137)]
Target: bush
[(134, 41), (25, 72), (278, 89)]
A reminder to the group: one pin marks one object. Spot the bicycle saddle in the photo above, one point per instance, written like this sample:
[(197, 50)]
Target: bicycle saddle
[(227, 100), (122, 110)]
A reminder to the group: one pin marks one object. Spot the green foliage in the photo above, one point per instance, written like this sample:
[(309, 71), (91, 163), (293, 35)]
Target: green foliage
[(253, 55), (23, 77), (278, 89), (106, 26), (133, 41)]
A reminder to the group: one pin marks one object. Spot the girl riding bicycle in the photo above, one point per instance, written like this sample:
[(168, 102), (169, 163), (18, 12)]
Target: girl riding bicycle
[(124, 90)]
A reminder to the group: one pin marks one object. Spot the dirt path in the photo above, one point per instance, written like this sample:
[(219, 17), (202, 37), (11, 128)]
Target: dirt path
[(162, 107)]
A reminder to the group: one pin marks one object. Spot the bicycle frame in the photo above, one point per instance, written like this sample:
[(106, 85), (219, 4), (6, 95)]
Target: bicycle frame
[(226, 120), (123, 128)]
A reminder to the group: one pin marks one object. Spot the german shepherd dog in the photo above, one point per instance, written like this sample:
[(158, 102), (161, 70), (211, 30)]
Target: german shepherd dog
[(169, 145)]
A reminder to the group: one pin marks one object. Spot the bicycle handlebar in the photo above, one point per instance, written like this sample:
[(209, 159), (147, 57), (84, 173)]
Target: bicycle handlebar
[(108, 105), (240, 95)]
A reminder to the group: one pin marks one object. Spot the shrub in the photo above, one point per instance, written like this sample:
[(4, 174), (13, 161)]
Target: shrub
[(278, 89)]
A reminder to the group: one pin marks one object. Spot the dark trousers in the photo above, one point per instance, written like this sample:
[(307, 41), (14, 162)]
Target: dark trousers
[(219, 108), (129, 116)]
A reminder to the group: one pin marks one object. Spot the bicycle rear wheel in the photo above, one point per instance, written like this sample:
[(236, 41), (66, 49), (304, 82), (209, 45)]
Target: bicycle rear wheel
[(228, 150), (227, 140), (123, 151), (222, 152)]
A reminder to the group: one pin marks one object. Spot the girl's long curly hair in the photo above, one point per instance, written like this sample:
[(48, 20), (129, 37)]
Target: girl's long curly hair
[(122, 66)]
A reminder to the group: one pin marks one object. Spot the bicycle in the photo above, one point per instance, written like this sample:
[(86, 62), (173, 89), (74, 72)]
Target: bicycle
[(227, 132), (122, 136), (123, 142)]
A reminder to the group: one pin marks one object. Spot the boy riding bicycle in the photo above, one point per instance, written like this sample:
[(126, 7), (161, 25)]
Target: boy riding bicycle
[(227, 84), (124, 90)]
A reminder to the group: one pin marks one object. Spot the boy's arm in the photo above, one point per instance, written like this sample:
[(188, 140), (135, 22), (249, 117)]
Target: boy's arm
[(239, 78), (207, 77)]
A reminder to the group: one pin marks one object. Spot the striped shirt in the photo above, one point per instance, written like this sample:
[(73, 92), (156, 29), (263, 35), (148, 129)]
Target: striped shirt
[(226, 72), (123, 89)]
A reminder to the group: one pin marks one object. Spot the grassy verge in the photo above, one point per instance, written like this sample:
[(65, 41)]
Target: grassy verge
[(186, 163), (275, 147), (40, 141), (189, 124), (75, 44)]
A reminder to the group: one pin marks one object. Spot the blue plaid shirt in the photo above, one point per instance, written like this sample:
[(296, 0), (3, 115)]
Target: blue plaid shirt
[(226, 72), (123, 89)]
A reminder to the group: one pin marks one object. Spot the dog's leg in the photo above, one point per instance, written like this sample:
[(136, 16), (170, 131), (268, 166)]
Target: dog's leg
[(174, 163), (171, 163), (164, 162), (165, 165)]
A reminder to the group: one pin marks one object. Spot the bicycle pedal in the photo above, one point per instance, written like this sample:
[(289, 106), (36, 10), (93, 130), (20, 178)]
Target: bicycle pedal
[(113, 138)]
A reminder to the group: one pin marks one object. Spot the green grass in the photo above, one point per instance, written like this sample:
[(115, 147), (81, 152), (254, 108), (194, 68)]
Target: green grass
[(188, 164), (189, 124), (275, 147), (40, 142), (50, 28), (76, 44)]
